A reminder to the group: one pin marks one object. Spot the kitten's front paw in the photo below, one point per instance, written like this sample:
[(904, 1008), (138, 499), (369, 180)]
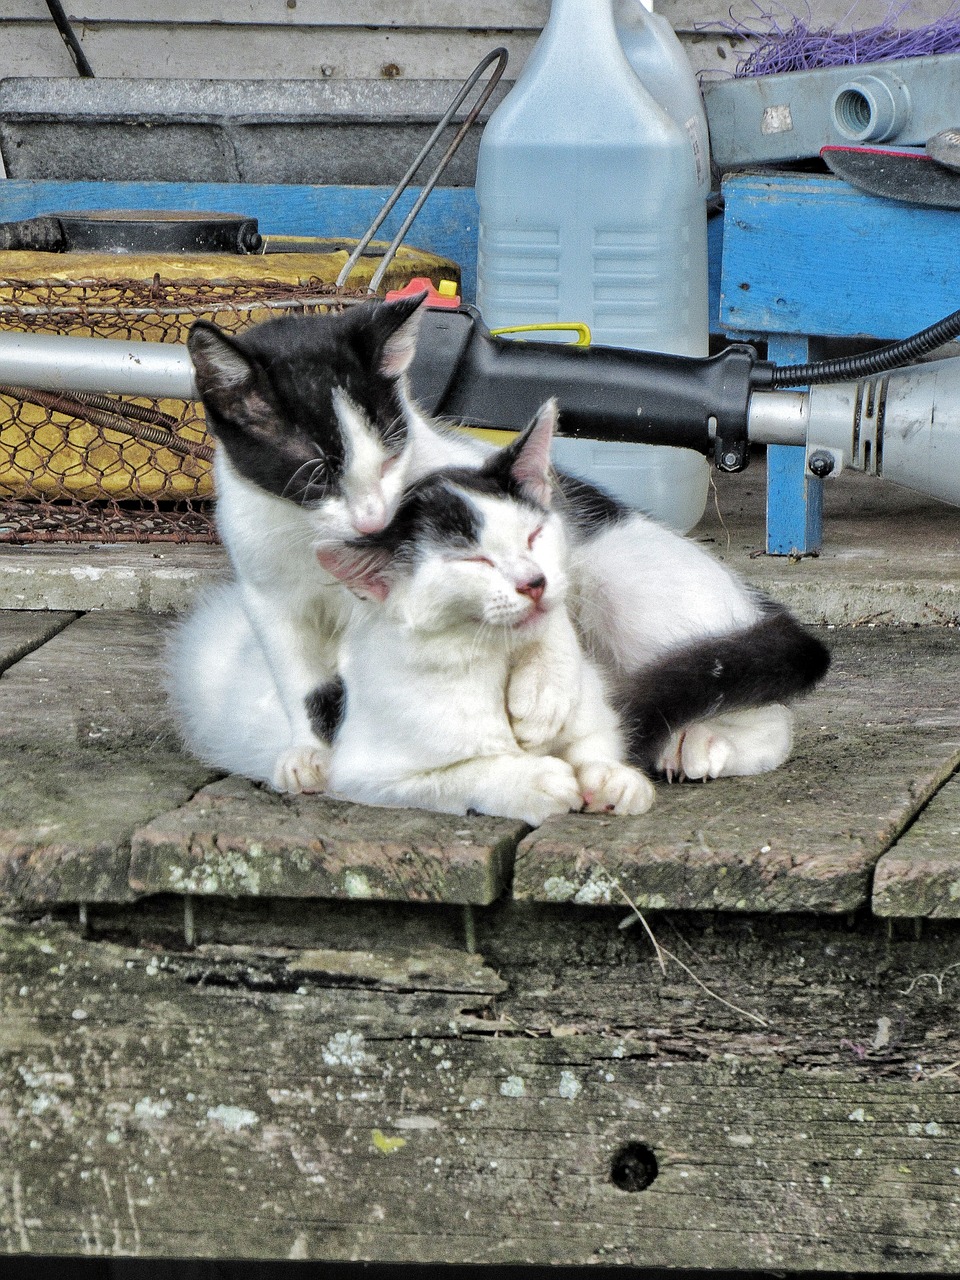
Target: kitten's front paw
[(538, 706), (615, 788), (736, 744), (302, 769), (547, 786)]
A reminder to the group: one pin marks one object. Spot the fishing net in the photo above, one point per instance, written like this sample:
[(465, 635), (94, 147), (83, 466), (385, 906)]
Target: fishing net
[(80, 468)]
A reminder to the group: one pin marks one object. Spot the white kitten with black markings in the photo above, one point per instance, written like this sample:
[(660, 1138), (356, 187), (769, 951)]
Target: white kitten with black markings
[(302, 455), (467, 581)]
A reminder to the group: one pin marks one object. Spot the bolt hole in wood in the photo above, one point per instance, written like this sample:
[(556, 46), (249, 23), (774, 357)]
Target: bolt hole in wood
[(634, 1167)]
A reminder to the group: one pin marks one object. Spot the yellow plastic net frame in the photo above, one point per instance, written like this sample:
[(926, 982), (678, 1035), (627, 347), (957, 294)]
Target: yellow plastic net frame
[(133, 469)]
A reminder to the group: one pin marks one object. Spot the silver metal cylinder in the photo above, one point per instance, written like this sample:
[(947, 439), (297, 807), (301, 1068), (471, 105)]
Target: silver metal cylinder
[(778, 417), (53, 363)]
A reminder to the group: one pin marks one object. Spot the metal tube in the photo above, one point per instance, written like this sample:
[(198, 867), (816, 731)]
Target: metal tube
[(778, 417), (51, 363)]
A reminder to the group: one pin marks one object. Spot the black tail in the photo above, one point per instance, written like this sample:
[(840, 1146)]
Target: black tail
[(773, 661)]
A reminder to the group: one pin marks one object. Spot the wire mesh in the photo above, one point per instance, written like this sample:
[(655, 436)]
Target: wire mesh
[(91, 468)]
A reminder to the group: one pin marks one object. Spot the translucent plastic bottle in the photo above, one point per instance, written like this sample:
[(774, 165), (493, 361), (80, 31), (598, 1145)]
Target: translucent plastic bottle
[(592, 208), (663, 68)]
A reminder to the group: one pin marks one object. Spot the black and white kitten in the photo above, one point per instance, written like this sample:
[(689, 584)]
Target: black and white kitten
[(466, 583), (318, 440)]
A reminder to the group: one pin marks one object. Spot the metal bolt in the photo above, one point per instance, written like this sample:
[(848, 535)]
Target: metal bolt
[(821, 463)]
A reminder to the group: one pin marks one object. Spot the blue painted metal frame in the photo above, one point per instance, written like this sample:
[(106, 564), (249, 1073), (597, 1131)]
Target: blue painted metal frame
[(447, 224), (809, 256)]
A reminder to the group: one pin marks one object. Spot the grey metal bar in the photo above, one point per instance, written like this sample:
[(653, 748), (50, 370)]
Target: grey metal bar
[(51, 363)]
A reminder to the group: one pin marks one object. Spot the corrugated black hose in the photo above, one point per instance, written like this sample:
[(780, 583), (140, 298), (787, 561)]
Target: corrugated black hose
[(896, 355)]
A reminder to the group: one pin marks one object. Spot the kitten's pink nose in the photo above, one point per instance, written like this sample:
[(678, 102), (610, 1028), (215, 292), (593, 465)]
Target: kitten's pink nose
[(533, 587)]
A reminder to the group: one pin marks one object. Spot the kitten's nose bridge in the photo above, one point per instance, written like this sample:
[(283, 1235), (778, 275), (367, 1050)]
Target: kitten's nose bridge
[(533, 587), (369, 514)]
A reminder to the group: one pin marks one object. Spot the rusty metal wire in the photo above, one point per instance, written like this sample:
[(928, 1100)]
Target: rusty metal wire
[(98, 468)]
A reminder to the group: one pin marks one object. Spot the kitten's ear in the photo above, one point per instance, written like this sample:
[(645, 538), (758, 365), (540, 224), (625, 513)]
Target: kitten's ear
[(526, 460), (362, 570), (393, 330), (227, 379)]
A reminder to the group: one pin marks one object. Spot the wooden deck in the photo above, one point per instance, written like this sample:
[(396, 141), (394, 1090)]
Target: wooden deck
[(234, 1024)]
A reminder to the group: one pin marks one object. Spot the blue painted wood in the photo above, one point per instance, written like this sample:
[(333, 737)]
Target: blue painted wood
[(794, 498), (714, 269), (447, 224), (805, 254)]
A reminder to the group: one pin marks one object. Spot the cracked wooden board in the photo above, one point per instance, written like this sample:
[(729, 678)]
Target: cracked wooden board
[(23, 630), (920, 875), (235, 838), (97, 683), (874, 742), (66, 819), (169, 1103)]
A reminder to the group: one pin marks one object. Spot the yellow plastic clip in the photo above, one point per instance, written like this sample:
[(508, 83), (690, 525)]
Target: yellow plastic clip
[(584, 337)]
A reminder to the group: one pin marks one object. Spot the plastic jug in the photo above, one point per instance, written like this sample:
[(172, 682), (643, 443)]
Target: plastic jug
[(592, 209), (663, 68)]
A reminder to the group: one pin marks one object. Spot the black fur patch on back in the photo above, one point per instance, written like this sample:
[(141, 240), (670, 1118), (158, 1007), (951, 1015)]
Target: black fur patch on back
[(586, 508), (282, 420), (326, 707), (773, 661)]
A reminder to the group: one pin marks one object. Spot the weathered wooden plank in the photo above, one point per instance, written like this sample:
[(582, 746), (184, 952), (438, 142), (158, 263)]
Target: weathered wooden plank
[(238, 839), (66, 819), (156, 1103), (23, 630), (348, 13), (920, 876), (489, 15), (794, 245), (98, 683), (52, 581), (873, 744), (229, 50), (686, 15), (226, 51), (88, 754)]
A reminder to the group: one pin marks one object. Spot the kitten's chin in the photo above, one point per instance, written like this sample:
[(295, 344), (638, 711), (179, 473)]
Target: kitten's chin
[(535, 616)]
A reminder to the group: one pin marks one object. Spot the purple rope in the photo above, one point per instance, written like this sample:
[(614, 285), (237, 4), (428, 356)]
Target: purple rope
[(784, 41)]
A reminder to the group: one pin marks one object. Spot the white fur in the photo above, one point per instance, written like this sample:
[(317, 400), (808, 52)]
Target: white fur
[(735, 743), (282, 617), (636, 591), (426, 673)]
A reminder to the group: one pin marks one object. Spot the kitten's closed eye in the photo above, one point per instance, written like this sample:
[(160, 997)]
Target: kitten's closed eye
[(534, 536)]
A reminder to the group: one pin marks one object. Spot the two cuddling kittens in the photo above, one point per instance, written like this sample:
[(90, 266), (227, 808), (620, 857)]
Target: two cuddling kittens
[(416, 619)]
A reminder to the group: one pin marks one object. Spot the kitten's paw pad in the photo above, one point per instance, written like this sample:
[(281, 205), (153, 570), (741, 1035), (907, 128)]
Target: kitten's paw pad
[(538, 708), (549, 787), (300, 770), (615, 788)]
